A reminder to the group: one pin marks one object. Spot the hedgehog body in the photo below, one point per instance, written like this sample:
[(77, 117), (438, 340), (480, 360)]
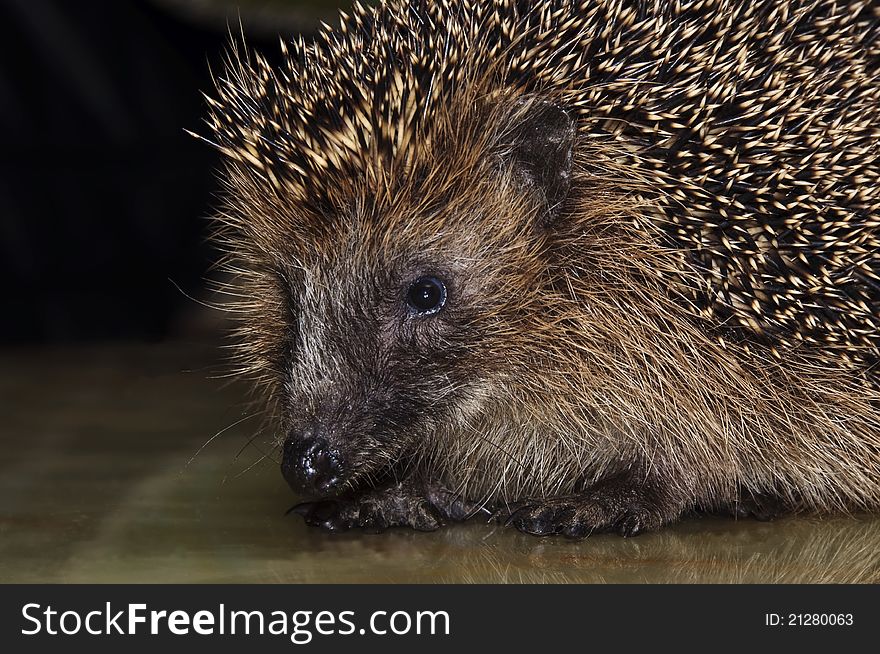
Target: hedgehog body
[(650, 230)]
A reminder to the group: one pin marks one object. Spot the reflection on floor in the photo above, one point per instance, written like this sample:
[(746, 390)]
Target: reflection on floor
[(102, 479)]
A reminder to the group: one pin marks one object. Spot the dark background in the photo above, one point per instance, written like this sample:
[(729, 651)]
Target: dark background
[(104, 198)]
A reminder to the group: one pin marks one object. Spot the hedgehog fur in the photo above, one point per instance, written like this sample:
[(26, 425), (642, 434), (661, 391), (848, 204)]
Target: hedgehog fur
[(695, 300)]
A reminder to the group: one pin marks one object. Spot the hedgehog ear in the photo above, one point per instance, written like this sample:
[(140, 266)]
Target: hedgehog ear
[(541, 141)]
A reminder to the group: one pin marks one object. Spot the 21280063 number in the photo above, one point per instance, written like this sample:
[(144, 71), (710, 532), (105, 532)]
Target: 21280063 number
[(820, 619)]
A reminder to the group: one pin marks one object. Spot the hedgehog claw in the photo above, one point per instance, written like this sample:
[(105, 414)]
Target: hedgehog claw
[(318, 513), (303, 508)]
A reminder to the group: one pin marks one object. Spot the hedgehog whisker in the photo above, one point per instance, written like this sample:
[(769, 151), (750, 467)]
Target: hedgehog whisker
[(218, 434)]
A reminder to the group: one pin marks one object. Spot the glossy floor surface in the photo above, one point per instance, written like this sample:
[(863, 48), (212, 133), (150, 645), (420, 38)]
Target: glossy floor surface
[(110, 471)]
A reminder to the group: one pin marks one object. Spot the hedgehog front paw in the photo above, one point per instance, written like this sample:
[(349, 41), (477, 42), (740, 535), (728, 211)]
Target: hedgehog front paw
[(626, 508), (374, 512)]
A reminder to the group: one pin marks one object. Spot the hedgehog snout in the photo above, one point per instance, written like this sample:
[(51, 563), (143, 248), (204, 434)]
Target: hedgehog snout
[(310, 465)]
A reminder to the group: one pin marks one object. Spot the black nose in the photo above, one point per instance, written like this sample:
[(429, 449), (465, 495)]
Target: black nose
[(310, 465)]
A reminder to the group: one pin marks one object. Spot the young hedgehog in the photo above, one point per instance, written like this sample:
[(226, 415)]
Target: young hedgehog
[(581, 265)]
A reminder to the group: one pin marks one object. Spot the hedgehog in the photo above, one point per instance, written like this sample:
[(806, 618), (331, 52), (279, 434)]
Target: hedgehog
[(576, 266)]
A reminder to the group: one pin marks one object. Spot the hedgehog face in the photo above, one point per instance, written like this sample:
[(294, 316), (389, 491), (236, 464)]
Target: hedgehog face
[(399, 313), (389, 345), (373, 368)]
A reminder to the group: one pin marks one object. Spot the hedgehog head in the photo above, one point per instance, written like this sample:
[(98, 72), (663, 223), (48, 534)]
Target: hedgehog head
[(381, 268)]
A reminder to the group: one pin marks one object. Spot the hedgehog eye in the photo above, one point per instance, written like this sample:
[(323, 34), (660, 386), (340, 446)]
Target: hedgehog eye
[(426, 295)]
